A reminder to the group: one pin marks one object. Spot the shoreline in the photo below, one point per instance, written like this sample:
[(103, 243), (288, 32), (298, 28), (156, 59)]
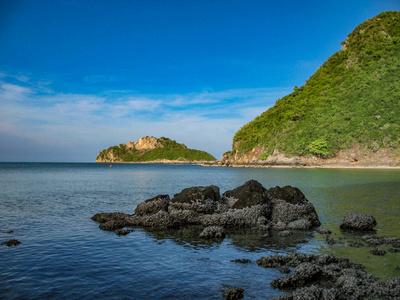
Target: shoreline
[(258, 166)]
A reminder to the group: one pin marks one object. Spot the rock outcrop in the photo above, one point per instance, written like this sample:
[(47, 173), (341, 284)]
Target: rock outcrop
[(358, 222), (248, 206), (328, 277)]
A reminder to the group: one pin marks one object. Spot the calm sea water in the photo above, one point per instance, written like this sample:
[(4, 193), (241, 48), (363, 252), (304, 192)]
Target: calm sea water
[(64, 255)]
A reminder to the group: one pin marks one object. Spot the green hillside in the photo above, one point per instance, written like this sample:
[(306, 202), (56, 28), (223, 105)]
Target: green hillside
[(352, 99), (165, 148)]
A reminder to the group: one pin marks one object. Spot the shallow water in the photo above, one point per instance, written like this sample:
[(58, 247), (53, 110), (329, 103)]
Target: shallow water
[(65, 255)]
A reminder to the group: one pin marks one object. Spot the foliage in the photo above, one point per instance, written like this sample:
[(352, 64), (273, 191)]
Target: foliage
[(170, 150), (353, 98), (318, 148)]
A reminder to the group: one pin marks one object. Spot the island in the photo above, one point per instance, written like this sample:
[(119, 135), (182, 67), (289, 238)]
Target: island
[(154, 150), (346, 114)]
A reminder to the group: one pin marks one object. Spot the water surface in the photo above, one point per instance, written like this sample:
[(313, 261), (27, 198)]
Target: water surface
[(65, 255)]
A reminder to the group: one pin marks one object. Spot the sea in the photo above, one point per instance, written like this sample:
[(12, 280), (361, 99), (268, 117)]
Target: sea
[(64, 255)]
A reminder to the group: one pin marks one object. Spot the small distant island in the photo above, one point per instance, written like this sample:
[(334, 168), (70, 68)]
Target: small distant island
[(153, 150)]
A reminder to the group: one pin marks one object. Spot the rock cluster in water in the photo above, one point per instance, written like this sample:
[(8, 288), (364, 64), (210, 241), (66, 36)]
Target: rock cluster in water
[(355, 221), (248, 206), (328, 277)]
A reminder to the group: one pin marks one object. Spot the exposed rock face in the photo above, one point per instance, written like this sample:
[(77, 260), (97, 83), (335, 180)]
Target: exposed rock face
[(250, 205), (358, 222), (145, 143)]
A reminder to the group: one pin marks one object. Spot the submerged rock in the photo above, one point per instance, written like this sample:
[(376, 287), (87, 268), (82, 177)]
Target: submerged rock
[(358, 222), (11, 243), (242, 261), (328, 277), (233, 293), (212, 232), (321, 230), (378, 251)]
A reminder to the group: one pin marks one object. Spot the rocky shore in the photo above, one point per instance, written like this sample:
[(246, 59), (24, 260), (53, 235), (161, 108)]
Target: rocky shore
[(276, 214)]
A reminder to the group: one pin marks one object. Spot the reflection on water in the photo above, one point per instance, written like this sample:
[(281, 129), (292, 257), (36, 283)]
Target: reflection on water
[(245, 239)]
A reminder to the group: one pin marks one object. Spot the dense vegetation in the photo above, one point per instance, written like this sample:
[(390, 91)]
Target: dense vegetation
[(352, 99), (169, 149)]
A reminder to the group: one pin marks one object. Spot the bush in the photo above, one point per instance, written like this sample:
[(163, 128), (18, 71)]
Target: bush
[(319, 148)]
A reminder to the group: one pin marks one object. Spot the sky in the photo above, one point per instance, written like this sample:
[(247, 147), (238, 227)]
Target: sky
[(78, 76)]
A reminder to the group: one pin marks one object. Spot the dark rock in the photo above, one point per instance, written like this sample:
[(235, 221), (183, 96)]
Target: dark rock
[(288, 193), (330, 240), (162, 219), (394, 250), (380, 240), (211, 232), (397, 268), (153, 205), (233, 293), (321, 230), (242, 261), (284, 269), (358, 222), (122, 231), (355, 244), (112, 225), (244, 207), (11, 243), (199, 199), (285, 233), (328, 277), (378, 251), (9, 231), (249, 194), (105, 217)]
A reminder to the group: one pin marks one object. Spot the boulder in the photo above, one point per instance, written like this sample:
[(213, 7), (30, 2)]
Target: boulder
[(153, 205), (200, 199), (250, 193), (358, 222), (288, 194)]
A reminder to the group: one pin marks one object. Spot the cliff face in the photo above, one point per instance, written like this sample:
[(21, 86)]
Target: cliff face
[(349, 108), (151, 149)]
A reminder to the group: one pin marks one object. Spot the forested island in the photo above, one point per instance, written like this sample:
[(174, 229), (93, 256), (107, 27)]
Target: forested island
[(347, 113), (150, 149)]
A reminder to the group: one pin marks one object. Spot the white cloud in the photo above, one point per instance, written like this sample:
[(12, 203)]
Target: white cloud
[(67, 122)]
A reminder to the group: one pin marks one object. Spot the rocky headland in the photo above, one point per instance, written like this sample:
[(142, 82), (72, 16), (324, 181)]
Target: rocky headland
[(345, 115)]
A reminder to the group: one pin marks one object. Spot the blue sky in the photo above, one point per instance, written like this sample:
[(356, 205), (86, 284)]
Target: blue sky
[(80, 76)]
